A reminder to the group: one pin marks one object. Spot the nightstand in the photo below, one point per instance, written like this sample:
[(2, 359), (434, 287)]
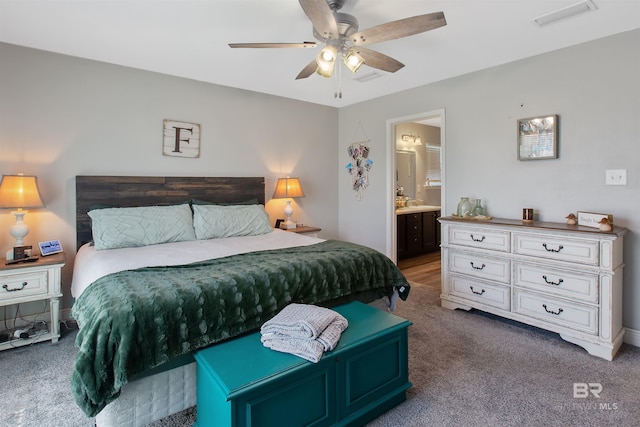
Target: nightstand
[(33, 281), (306, 230)]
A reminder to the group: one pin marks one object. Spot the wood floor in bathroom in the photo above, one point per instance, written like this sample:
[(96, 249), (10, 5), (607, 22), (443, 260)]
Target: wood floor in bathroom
[(423, 269)]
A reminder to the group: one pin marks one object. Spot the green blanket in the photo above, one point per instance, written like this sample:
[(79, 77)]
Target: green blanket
[(134, 320)]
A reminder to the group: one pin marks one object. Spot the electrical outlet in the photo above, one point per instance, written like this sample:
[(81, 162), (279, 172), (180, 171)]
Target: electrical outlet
[(615, 177)]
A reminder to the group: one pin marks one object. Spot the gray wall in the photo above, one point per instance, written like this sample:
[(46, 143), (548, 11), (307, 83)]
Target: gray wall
[(62, 116), (594, 88)]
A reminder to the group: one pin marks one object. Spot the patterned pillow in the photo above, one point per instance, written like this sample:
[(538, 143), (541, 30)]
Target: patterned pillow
[(212, 221), (142, 226)]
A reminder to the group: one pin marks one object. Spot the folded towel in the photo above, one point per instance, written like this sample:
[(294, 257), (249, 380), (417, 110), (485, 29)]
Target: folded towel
[(331, 335), (304, 330), (308, 349), (300, 321), (328, 338)]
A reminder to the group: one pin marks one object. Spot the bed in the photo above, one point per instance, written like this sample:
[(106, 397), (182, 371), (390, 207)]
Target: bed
[(206, 268)]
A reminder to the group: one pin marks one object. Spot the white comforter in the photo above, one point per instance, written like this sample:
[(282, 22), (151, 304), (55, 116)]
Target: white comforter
[(90, 264)]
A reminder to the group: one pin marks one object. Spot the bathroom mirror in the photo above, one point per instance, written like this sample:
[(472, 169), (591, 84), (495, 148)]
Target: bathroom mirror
[(406, 172)]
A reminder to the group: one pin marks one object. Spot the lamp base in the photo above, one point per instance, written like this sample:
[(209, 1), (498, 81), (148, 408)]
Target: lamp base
[(288, 211), (19, 229)]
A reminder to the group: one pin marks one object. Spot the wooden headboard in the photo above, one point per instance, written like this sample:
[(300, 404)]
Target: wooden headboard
[(127, 191)]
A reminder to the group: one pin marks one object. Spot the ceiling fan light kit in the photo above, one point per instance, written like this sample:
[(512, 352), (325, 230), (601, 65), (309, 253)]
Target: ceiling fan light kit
[(340, 35), (353, 60), (326, 60)]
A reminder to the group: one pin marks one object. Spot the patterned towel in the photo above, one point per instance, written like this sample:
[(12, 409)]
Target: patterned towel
[(284, 334), (300, 321), (308, 349)]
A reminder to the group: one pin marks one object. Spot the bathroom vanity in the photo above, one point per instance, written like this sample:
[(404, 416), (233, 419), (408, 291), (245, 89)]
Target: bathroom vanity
[(418, 230)]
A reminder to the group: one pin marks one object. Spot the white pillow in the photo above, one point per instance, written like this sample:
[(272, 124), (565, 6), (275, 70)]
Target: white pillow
[(141, 226), (213, 221)]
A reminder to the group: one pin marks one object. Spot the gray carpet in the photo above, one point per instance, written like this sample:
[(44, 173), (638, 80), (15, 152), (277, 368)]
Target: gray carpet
[(467, 369)]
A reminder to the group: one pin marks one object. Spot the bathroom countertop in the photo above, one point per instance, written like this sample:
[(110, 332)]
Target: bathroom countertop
[(414, 209)]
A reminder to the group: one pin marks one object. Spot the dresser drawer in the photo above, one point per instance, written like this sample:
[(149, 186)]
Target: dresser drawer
[(557, 311), (480, 238), (557, 248), (573, 285), (492, 294), (480, 266), (16, 286)]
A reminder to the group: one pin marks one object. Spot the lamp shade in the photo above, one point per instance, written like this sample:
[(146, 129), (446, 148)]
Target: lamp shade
[(288, 188), (19, 191)]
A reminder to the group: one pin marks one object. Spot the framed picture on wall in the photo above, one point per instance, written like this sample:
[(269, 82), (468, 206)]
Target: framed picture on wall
[(181, 139), (538, 138)]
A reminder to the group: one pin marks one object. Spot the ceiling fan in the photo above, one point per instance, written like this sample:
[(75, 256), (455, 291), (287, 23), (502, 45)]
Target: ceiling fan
[(339, 33)]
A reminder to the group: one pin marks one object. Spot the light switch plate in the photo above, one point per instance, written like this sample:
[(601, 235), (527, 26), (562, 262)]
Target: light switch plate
[(615, 177)]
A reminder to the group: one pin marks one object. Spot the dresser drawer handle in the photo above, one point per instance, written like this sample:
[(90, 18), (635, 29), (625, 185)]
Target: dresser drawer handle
[(6, 287), (477, 240), (552, 283), (560, 247), (477, 293), (551, 311), (477, 268)]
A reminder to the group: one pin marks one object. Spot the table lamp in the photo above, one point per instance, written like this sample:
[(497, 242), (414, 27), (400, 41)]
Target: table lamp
[(287, 188), (19, 192)]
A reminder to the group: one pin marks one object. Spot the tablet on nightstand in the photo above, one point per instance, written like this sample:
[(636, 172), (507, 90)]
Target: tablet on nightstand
[(50, 247)]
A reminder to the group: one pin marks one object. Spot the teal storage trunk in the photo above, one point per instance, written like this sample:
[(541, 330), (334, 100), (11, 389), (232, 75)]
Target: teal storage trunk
[(242, 383)]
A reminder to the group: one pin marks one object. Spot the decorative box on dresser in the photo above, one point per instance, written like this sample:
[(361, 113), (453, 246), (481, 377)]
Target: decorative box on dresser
[(562, 278), (29, 282)]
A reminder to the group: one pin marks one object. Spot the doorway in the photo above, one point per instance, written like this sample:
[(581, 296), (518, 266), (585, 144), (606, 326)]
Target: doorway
[(430, 118)]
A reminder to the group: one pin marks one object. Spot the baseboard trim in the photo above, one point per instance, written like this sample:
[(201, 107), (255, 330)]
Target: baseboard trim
[(632, 336)]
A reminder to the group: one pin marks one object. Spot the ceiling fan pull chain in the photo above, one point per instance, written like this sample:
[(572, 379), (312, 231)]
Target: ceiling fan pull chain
[(338, 92)]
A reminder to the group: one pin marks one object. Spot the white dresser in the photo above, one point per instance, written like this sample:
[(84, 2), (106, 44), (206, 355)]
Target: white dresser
[(563, 278)]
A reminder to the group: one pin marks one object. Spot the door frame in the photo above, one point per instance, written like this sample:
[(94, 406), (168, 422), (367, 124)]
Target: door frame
[(391, 224)]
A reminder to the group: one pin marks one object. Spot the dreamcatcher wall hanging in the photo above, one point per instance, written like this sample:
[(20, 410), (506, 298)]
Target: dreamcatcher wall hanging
[(360, 165)]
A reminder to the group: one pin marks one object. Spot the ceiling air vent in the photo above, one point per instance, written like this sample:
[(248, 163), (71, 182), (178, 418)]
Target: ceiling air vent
[(366, 77), (565, 12)]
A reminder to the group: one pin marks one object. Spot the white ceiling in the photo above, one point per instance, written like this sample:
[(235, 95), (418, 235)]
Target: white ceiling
[(188, 38)]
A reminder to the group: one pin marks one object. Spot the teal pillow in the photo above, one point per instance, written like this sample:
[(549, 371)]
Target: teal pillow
[(213, 221), (141, 226)]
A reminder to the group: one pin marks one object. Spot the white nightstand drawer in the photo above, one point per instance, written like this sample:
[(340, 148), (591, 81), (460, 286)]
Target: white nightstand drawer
[(487, 293), (557, 248), (565, 283), (14, 286), (480, 266), (480, 238), (556, 311)]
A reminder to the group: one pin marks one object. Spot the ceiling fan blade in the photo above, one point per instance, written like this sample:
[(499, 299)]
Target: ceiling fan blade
[(308, 70), (272, 45), (378, 60), (398, 29), (322, 18)]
